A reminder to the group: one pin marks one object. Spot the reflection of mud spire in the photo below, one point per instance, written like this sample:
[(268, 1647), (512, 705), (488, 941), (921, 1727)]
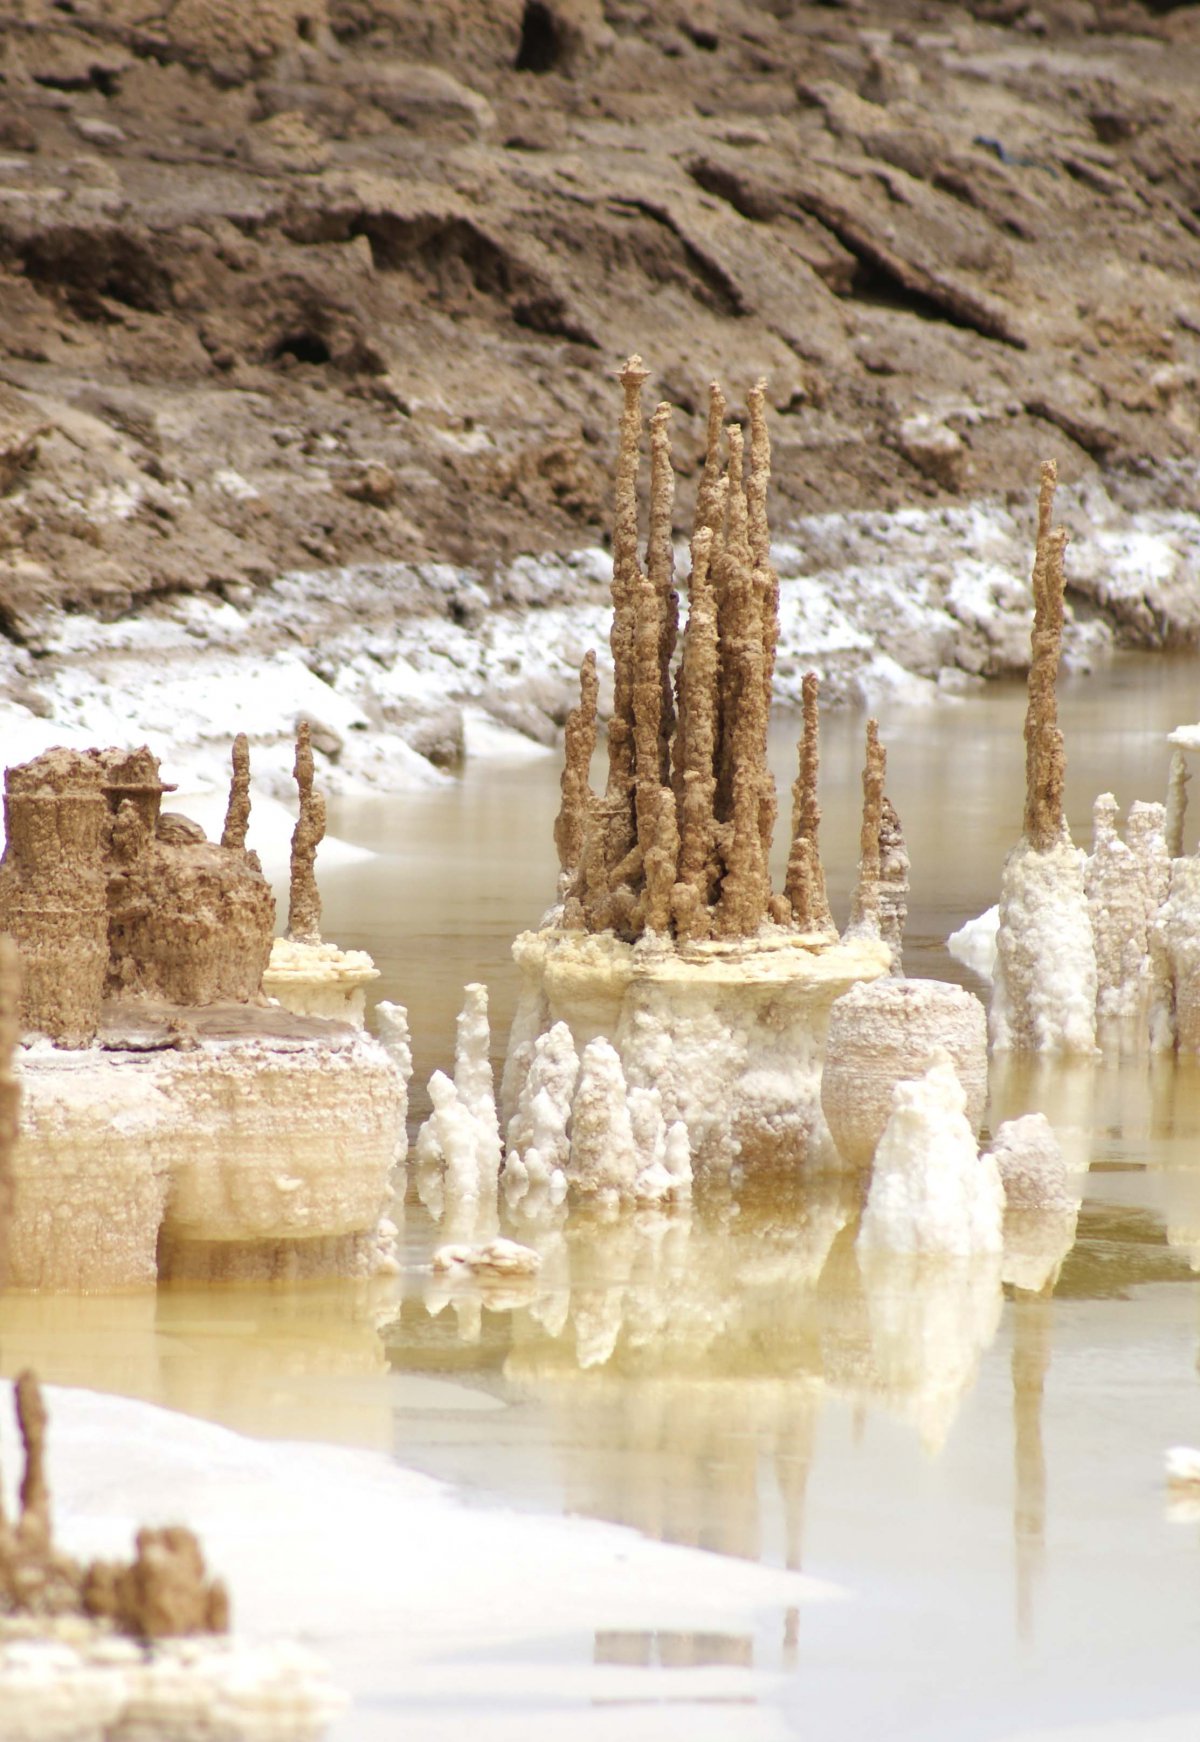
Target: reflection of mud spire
[(1030, 1364), (1176, 803), (304, 898), (237, 814), (864, 911), (805, 882), (1045, 761), (10, 1088), (660, 566), (580, 744), (627, 578)]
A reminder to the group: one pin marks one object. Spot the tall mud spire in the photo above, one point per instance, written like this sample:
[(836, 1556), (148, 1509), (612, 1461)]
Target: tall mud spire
[(237, 814), (805, 882), (864, 911), (1045, 759), (304, 898)]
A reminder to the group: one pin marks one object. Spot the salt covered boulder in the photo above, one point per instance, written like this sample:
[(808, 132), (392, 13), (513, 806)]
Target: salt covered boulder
[(931, 1190), (884, 1032), (1032, 1167)]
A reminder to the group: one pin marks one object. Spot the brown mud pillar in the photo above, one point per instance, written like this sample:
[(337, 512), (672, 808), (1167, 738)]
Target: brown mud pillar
[(304, 898)]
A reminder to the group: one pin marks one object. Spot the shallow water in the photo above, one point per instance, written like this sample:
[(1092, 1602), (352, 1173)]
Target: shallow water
[(978, 1465)]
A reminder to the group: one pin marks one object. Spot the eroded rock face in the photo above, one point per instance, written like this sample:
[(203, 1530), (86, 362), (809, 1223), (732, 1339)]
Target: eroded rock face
[(107, 895), (885, 1033)]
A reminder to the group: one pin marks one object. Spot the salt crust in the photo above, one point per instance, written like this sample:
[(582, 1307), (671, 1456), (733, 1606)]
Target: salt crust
[(730, 1034), (931, 1191), (234, 1143), (81, 1685), (387, 1575), (1045, 989)]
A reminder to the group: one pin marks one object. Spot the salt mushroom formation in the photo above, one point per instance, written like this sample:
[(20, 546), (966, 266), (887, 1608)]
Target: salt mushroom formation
[(668, 940), (178, 1123)]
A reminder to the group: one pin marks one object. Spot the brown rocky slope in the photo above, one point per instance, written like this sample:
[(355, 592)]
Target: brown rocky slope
[(317, 281)]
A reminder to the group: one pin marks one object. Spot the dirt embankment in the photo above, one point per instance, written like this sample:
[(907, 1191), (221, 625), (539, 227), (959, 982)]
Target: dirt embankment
[(318, 281)]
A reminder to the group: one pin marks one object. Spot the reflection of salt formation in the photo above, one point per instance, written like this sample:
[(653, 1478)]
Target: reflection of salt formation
[(305, 974), (886, 1032), (207, 1134), (109, 1648), (1030, 1364), (1045, 988), (669, 942), (931, 1190)]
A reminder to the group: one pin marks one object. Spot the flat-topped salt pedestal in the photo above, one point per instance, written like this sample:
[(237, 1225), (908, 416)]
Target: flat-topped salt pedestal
[(730, 1032)]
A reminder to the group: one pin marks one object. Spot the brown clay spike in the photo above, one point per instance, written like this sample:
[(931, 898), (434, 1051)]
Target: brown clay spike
[(10, 1089), (1045, 760), (760, 537), (660, 566), (304, 898), (709, 507), (237, 814), (864, 912), (34, 1523), (577, 760), (697, 724), (626, 577), (805, 882)]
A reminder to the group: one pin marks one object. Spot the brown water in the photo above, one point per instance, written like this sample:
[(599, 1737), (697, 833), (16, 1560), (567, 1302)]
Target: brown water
[(979, 1466)]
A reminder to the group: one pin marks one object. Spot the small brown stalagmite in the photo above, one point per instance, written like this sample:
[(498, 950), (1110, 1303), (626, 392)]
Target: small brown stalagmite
[(695, 743), (577, 760), (864, 911), (1045, 759), (710, 500), (304, 898), (237, 814), (766, 584), (10, 1088), (660, 567), (893, 884), (627, 578), (805, 882)]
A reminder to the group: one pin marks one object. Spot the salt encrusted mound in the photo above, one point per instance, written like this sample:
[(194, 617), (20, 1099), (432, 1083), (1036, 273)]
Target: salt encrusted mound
[(249, 1157), (1175, 962), (1032, 1166), (319, 980), (1045, 987), (498, 1257), (931, 1190), (887, 1031)]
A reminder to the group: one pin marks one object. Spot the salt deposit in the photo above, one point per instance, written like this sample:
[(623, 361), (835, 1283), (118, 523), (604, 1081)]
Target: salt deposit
[(462, 1134), (931, 1191)]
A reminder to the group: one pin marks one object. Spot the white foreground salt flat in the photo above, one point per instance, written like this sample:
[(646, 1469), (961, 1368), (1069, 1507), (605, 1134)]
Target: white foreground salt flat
[(409, 1595)]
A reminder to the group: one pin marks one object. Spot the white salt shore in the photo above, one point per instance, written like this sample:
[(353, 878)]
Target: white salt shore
[(427, 1611)]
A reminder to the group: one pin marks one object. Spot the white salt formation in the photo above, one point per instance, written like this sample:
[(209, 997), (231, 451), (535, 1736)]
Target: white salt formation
[(621, 1150), (319, 980), (1041, 1210), (931, 1190), (459, 1143), (669, 941), (1045, 987), (885, 1032), (178, 1124), (538, 1145)]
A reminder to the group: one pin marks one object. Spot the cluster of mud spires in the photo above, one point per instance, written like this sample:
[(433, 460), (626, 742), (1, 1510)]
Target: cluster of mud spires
[(163, 1593), (679, 844)]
